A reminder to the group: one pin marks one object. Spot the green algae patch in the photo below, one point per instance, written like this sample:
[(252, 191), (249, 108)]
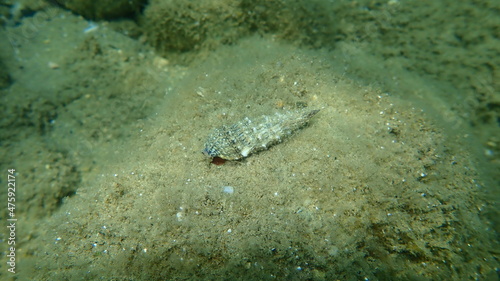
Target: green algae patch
[(104, 9), (180, 26)]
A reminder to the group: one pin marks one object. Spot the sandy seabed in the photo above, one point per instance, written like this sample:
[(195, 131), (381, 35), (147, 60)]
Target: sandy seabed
[(106, 138)]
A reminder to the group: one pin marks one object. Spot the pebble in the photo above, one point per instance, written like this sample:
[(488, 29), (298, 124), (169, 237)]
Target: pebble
[(228, 189)]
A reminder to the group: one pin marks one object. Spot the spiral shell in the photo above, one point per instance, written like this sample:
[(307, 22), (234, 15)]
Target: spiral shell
[(248, 136)]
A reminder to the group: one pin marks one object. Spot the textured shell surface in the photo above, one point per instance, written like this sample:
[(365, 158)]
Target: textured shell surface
[(249, 136)]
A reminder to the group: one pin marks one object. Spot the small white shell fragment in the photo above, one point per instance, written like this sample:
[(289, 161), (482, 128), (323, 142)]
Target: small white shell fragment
[(228, 189), (91, 27), (179, 216), (53, 65)]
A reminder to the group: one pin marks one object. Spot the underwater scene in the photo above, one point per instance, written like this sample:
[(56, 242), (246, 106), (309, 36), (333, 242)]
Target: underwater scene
[(250, 140)]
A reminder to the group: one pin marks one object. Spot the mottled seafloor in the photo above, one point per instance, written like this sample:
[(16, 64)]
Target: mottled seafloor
[(106, 108)]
